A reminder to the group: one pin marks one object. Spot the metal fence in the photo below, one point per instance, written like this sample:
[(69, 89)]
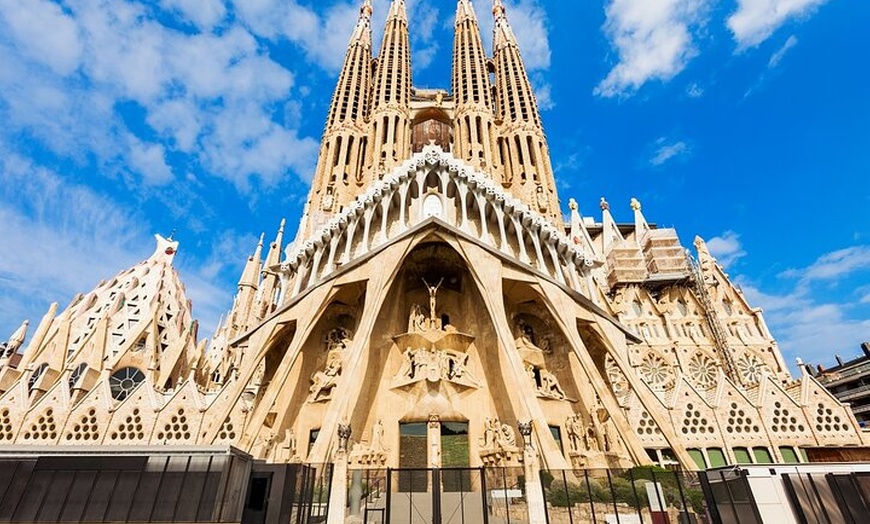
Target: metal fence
[(438, 496), (498, 496), (635, 496)]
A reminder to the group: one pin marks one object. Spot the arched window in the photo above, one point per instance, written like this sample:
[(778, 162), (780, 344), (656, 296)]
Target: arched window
[(431, 126), (125, 381), (37, 373), (76, 375)]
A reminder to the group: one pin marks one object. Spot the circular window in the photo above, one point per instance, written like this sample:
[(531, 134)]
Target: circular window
[(124, 381)]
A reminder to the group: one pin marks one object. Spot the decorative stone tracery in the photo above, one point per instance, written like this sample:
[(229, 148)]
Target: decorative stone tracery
[(703, 371)]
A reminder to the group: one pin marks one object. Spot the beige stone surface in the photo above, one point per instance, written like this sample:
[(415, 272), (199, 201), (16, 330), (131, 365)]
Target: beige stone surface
[(430, 283)]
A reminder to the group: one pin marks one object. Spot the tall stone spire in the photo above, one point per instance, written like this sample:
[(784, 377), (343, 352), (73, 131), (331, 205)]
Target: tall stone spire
[(472, 91), (270, 283), (345, 140), (522, 146), (391, 98)]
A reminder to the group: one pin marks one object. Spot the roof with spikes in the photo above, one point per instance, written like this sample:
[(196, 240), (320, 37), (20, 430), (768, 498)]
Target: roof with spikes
[(140, 318)]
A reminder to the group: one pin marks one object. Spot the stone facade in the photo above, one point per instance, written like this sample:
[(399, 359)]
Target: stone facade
[(433, 284)]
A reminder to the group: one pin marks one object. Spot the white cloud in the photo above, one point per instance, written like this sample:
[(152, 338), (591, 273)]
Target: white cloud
[(149, 160), (210, 96), (777, 57), (667, 151), (755, 20), (810, 321), (544, 96), (835, 265), (204, 13), (43, 32), (654, 40), (809, 329), (727, 248)]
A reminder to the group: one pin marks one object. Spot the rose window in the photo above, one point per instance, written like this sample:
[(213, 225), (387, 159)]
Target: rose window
[(618, 382), (124, 381), (656, 371), (751, 368), (703, 370)]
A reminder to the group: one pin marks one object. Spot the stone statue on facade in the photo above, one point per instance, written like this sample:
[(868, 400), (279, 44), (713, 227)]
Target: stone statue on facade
[(323, 382), (433, 298), (338, 339), (499, 444), (373, 455), (434, 366), (287, 453)]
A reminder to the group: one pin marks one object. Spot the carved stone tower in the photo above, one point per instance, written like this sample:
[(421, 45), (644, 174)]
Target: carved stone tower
[(472, 92), (523, 152)]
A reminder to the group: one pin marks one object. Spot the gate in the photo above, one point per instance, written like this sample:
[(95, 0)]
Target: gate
[(439, 496)]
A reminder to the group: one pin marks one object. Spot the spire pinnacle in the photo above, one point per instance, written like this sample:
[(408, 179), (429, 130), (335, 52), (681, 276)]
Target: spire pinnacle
[(166, 249), (641, 226), (464, 11), (498, 10), (397, 10), (366, 10), (16, 340)]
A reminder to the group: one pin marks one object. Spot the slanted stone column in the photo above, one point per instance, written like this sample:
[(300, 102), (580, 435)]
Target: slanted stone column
[(534, 489), (433, 437), (338, 491)]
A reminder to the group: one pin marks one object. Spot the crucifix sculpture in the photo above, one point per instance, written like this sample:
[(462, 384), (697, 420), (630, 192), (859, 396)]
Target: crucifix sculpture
[(433, 295)]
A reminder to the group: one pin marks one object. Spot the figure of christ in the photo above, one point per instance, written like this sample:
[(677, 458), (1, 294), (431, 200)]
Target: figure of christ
[(433, 296)]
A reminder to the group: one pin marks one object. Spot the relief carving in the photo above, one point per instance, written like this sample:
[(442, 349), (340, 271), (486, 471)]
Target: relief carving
[(287, 453), (433, 352), (323, 382), (499, 444), (434, 366), (375, 454)]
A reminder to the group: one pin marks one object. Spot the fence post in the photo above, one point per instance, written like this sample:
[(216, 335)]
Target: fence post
[(486, 506), (589, 491), (637, 503), (338, 489), (534, 489), (568, 500)]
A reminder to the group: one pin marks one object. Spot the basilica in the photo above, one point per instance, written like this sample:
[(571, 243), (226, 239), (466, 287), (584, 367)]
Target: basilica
[(439, 307)]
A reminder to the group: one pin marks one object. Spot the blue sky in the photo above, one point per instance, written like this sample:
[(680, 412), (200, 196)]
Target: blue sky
[(744, 121)]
